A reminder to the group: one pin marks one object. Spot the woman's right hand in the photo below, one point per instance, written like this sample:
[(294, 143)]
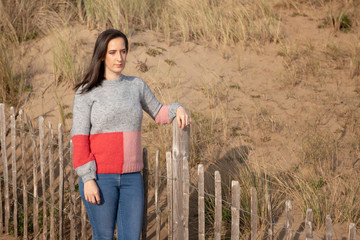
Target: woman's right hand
[(91, 192)]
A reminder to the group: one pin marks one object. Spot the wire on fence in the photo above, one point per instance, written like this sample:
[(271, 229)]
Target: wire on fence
[(36, 136), (41, 199)]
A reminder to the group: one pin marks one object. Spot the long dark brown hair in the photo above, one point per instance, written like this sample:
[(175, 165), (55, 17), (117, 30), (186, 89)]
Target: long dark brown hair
[(95, 73)]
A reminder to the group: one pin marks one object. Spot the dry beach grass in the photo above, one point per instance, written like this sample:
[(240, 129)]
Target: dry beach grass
[(273, 88)]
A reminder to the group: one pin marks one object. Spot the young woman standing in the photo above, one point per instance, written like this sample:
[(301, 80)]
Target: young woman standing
[(106, 134)]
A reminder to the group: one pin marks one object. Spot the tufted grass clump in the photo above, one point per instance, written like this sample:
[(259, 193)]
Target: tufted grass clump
[(67, 65), (13, 82)]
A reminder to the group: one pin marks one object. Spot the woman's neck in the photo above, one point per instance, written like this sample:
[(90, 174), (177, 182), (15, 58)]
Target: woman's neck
[(112, 76)]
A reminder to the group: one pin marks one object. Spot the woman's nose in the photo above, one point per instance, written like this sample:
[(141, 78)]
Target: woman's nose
[(119, 56)]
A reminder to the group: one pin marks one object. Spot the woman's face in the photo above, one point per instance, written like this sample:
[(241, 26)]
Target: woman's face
[(115, 58)]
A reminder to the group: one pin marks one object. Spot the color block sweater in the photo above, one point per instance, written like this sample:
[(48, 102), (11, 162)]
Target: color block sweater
[(106, 129)]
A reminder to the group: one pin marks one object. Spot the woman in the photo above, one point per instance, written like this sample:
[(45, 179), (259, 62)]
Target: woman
[(106, 135)]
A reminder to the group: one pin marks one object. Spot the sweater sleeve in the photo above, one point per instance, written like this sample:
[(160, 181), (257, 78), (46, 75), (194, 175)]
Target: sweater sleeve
[(83, 159), (162, 114)]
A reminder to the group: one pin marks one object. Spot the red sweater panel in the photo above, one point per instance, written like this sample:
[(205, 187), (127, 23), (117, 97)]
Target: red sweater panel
[(81, 152), (116, 152)]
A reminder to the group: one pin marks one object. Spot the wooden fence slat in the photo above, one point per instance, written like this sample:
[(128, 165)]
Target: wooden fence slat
[(83, 221), (177, 199), (61, 180), (14, 175), (270, 219), (3, 143), (35, 183), (24, 173), (42, 170), (270, 232), (157, 205), (352, 231), (289, 220), (72, 211), (201, 202), (235, 212), (180, 149), (308, 224), (5, 166), (328, 228), (146, 184), (51, 181), (169, 183), (186, 196), (254, 213), (1, 210), (181, 142), (218, 206)]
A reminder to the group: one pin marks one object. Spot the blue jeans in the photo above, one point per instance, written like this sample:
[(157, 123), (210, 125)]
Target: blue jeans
[(122, 202)]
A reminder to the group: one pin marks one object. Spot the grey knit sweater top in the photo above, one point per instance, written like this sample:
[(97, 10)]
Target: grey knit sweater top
[(106, 129)]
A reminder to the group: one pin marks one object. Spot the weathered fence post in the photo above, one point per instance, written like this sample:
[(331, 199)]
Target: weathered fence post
[(235, 210), (201, 202), (51, 181), (308, 224), (35, 183), (218, 206), (181, 144), (157, 205), (270, 219), (83, 222), (5, 166), (1, 210), (186, 182), (24, 174), (169, 183), (13, 163), (289, 220), (146, 184), (352, 231), (72, 197), (61, 181), (328, 231), (42, 170), (254, 213)]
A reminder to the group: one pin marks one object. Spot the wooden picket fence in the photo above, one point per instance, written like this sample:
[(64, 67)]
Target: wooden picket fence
[(66, 212)]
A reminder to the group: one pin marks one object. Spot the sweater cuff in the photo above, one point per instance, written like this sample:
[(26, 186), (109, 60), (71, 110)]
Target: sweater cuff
[(87, 171), (172, 110)]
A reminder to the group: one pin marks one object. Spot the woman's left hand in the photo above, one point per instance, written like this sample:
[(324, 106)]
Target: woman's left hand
[(182, 117)]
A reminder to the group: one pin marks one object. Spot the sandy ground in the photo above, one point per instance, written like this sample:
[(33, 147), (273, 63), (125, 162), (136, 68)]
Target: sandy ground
[(243, 84)]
